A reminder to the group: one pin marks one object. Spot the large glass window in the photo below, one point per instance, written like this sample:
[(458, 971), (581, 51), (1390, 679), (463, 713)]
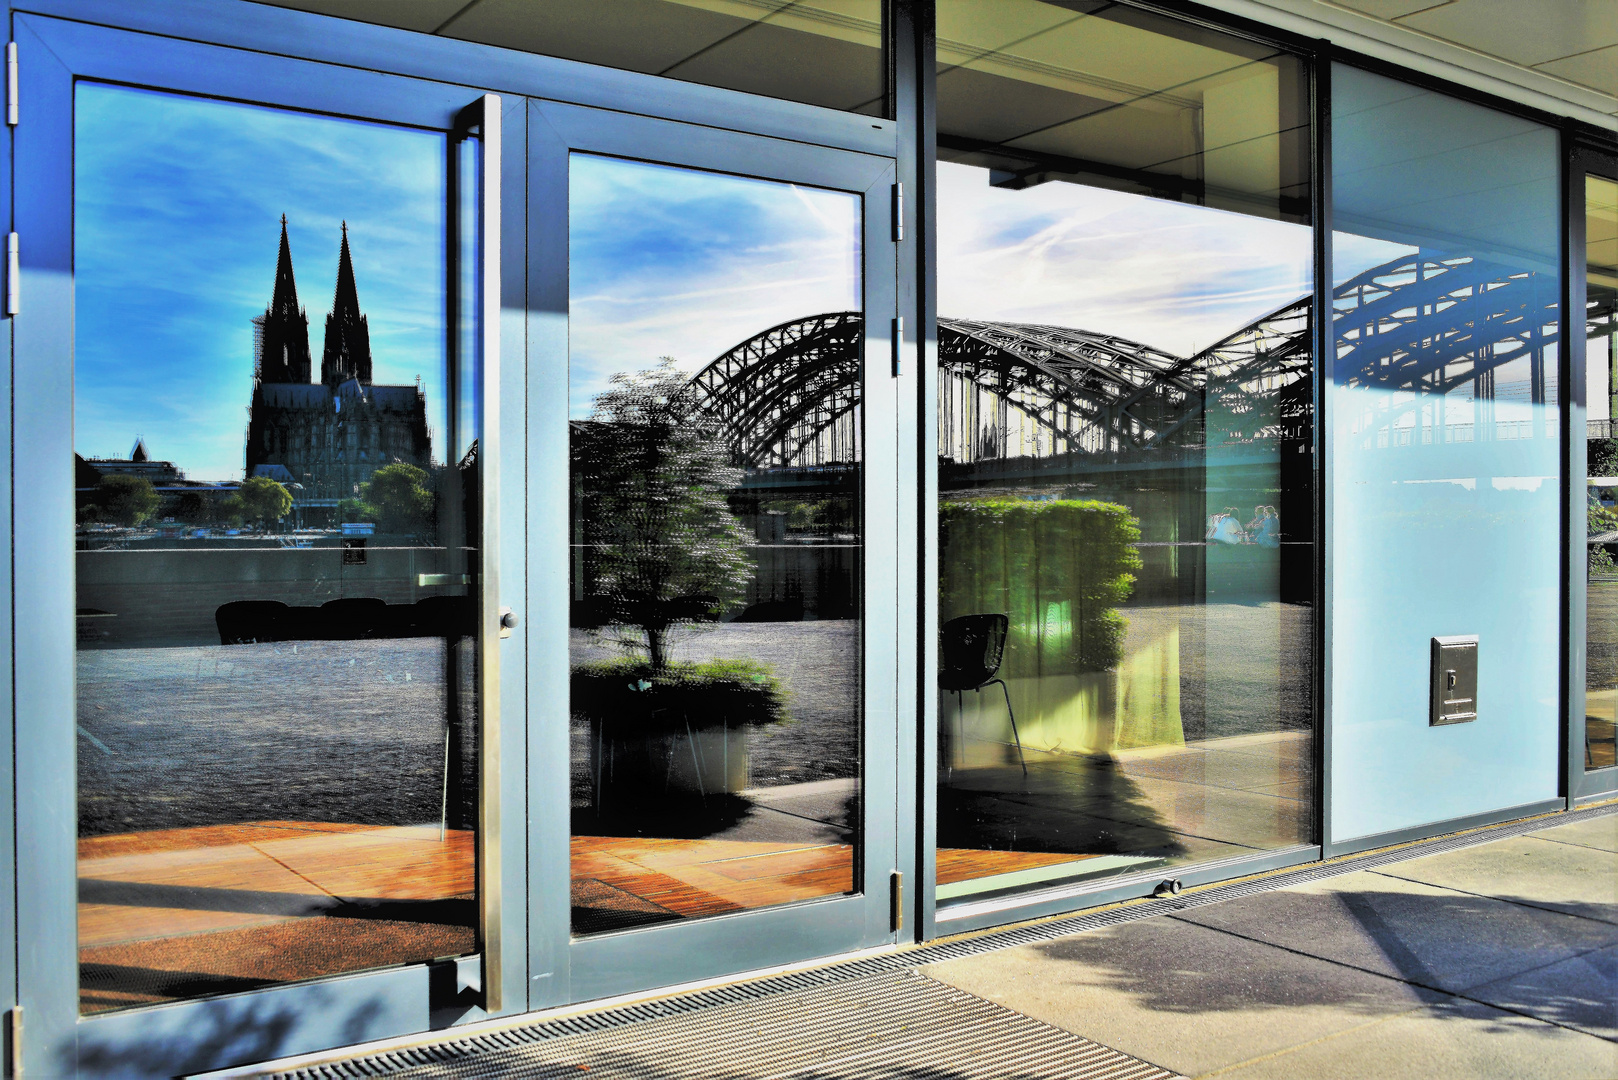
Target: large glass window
[(276, 706), (717, 541), (1445, 456), (822, 52), (1601, 367), (1125, 432)]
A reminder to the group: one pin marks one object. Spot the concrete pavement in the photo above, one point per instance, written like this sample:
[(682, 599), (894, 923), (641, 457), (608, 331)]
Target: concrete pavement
[(1499, 960)]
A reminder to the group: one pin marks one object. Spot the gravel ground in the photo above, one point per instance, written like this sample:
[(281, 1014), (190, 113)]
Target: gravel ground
[(353, 730), (1244, 668), (818, 662), (347, 731)]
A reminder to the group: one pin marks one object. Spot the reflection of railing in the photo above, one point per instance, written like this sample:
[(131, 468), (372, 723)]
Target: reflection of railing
[(1598, 429)]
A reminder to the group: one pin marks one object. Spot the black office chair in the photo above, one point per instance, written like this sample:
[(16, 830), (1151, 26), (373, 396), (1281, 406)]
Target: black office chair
[(972, 647)]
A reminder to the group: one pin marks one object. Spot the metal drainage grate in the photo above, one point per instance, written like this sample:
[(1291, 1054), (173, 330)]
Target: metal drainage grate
[(899, 1024), (440, 1056)]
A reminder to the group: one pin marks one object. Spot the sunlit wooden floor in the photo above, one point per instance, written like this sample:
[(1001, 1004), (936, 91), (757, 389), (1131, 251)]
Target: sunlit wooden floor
[(186, 912)]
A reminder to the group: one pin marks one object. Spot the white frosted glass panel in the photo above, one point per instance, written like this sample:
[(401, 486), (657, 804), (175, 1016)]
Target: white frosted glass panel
[(1444, 452)]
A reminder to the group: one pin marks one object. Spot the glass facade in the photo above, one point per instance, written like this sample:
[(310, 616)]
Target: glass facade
[(1193, 539), (276, 693), (1125, 447), (1444, 453), (716, 556), (1601, 369)]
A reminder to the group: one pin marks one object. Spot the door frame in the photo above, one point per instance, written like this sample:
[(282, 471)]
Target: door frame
[(1580, 159), (236, 1028), (564, 968)]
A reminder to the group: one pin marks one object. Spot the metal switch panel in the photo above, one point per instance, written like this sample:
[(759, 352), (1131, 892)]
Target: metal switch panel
[(1455, 681)]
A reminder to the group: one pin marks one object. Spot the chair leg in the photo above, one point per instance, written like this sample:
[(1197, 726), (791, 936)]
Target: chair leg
[(1014, 734)]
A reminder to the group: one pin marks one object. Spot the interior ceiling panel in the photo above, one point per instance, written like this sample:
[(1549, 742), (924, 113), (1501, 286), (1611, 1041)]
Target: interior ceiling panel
[(1576, 40), (823, 52)]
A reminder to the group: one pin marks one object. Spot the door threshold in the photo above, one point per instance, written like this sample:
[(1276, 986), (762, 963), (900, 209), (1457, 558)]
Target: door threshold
[(498, 1024)]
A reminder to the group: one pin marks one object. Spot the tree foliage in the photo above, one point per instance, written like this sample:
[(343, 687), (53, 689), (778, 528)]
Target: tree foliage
[(126, 500), (664, 549), (1601, 457), (356, 510), (1058, 568), (262, 500), (402, 496)]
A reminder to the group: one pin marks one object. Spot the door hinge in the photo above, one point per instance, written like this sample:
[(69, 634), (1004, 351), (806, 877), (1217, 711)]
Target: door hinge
[(13, 275), (14, 1042), (896, 891), (898, 346), (898, 211), (11, 83)]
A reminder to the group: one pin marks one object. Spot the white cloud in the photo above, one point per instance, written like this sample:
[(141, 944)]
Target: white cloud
[(1172, 275)]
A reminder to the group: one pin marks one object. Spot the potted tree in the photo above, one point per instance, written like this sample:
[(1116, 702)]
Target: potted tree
[(661, 555)]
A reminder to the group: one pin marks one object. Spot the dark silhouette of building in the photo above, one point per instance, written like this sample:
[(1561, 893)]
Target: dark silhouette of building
[(283, 345), (332, 435), (348, 336)]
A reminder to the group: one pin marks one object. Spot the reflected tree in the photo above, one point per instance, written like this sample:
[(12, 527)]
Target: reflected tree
[(664, 548), (126, 500)]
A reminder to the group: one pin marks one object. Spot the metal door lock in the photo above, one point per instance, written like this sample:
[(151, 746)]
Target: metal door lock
[(508, 621)]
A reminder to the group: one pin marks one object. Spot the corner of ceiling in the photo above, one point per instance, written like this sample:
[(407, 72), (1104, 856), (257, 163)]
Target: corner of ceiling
[(1397, 44)]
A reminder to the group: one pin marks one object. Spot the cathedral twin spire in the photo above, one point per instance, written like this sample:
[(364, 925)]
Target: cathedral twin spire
[(285, 357)]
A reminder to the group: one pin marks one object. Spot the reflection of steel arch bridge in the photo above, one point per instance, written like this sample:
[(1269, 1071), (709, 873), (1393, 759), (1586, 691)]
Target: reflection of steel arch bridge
[(1421, 325), (791, 395)]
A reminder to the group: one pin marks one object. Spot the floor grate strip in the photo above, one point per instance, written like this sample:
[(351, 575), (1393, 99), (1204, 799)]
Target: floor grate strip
[(896, 1025), (630, 1026)]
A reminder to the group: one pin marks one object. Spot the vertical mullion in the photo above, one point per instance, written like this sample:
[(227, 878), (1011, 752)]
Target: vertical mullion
[(42, 561), (922, 146), (1571, 372), (1324, 346)]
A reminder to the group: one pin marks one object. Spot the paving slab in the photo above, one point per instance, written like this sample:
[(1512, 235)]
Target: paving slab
[(1185, 997), (1409, 930), (1569, 878), (1600, 833), (1579, 993), (1458, 1040)]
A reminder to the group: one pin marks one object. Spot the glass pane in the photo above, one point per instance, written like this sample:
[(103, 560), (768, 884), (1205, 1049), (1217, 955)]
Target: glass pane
[(821, 52), (1601, 367), (1112, 96), (276, 703), (1125, 426), (717, 542), (1445, 451)]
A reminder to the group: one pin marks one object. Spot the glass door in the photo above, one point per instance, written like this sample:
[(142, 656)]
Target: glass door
[(726, 743), (1591, 745), (259, 686)]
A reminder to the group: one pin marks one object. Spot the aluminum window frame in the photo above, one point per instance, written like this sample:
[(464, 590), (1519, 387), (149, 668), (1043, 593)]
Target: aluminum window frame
[(226, 1029)]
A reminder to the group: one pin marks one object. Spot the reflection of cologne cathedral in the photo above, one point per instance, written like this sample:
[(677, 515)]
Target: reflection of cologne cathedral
[(328, 437)]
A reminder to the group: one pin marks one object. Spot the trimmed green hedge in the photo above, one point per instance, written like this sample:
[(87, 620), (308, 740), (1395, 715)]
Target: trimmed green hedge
[(732, 692), (1058, 568)]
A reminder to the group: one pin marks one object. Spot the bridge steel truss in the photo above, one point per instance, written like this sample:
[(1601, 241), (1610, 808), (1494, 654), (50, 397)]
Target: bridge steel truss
[(1447, 337), (1425, 326)]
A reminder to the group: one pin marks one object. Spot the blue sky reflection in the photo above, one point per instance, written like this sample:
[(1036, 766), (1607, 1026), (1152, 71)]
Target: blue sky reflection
[(1173, 275), (177, 205), (666, 261)]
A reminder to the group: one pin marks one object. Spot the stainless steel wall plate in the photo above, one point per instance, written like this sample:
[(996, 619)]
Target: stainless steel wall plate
[(1454, 697)]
